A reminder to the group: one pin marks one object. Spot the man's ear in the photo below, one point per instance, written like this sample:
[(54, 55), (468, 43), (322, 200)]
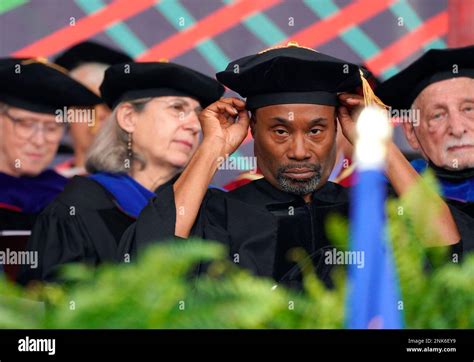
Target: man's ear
[(253, 121), (125, 117), (409, 131)]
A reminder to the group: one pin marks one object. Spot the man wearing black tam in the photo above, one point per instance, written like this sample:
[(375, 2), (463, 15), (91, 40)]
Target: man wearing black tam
[(90, 52), (33, 96), (87, 63), (438, 89), (293, 96)]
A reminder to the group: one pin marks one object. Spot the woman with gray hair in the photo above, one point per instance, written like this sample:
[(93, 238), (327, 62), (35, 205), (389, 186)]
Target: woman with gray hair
[(149, 138)]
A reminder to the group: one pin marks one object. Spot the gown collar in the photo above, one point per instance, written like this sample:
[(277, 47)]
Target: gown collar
[(130, 196), (28, 194), (460, 175), (455, 185)]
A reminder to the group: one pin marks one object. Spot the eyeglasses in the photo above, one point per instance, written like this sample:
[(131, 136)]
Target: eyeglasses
[(180, 109), (27, 128)]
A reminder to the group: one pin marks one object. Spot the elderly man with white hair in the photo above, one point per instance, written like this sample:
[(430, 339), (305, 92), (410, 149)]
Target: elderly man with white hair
[(437, 91)]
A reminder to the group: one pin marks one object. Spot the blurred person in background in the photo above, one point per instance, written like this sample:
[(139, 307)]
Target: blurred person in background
[(33, 96), (87, 63)]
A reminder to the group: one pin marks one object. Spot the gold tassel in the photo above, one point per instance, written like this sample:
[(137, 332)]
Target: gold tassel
[(45, 61), (369, 96), (289, 44)]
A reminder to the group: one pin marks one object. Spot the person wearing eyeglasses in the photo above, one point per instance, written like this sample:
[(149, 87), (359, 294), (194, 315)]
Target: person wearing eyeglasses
[(33, 96), (149, 138)]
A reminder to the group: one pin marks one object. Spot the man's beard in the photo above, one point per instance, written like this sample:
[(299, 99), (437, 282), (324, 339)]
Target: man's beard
[(299, 187)]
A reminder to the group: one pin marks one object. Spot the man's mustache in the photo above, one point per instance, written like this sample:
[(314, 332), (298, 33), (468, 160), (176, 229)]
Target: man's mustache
[(306, 165), (459, 143)]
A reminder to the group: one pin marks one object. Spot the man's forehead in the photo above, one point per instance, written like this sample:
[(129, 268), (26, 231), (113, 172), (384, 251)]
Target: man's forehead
[(446, 91), (454, 87), (285, 110)]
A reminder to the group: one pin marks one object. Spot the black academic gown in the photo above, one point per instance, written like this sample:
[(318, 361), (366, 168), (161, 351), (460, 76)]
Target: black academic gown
[(457, 188), (83, 224), (14, 229), (21, 201), (11, 219), (463, 214), (466, 207), (259, 224)]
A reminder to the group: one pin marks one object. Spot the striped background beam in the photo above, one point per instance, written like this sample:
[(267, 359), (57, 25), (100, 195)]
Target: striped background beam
[(335, 21), (215, 23), (385, 35), (84, 28)]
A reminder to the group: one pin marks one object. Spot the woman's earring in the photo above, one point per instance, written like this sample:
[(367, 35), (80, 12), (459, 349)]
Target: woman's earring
[(129, 146)]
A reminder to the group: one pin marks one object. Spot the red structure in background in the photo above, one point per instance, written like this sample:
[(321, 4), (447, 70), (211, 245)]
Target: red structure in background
[(461, 24)]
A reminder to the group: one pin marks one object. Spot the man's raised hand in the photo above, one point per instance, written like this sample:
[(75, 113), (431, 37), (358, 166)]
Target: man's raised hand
[(226, 121)]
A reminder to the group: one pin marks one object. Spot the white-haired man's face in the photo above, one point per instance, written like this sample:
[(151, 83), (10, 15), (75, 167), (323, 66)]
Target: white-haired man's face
[(445, 134), (90, 75)]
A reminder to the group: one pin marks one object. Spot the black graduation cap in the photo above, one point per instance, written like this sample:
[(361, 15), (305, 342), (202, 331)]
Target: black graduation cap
[(128, 81), (87, 52), (39, 86), (290, 74), (435, 65)]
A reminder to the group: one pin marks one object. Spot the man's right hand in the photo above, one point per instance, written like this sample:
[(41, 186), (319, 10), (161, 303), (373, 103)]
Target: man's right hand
[(226, 121)]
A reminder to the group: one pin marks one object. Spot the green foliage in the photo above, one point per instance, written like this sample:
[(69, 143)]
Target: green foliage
[(436, 293), (159, 290)]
